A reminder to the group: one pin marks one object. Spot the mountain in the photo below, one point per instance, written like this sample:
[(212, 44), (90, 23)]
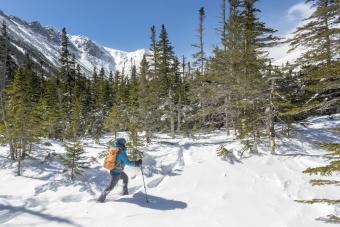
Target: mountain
[(44, 43)]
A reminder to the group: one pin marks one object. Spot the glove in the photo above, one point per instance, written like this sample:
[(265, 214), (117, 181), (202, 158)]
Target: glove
[(138, 163)]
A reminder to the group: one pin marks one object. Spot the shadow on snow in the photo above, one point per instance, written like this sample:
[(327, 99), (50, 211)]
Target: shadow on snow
[(8, 212), (155, 203)]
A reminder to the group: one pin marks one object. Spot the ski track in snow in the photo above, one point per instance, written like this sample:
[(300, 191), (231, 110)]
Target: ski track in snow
[(187, 185)]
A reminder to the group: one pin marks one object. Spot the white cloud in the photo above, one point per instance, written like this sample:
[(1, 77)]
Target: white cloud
[(299, 11)]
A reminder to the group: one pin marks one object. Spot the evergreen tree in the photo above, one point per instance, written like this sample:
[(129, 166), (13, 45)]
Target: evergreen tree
[(223, 27), (76, 117), (100, 107), (165, 64), (3, 55), (64, 84), (53, 113), (253, 87), (74, 159), (133, 93), (147, 101), (114, 121), (23, 124), (134, 142), (200, 55), (333, 168), (4, 74), (167, 70), (154, 49), (319, 63)]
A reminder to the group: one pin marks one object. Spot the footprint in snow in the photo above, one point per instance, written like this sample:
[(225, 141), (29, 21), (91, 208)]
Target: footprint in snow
[(154, 183)]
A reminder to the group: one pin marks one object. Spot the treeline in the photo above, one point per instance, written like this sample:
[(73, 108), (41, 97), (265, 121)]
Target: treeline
[(236, 88)]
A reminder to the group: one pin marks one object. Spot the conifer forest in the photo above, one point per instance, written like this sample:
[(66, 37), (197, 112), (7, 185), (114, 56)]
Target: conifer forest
[(228, 107)]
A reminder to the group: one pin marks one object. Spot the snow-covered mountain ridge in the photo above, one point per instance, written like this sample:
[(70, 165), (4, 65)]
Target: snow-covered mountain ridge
[(44, 43)]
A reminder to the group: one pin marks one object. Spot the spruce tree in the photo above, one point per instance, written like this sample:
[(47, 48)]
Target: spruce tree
[(253, 88), (331, 169), (74, 159), (154, 49), (200, 55), (23, 123), (167, 71), (4, 74), (53, 115), (147, 100), (319, 63), (64, 84), (134, 86)]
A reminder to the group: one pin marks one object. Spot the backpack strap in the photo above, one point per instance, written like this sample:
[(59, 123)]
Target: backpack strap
[(118, 164)]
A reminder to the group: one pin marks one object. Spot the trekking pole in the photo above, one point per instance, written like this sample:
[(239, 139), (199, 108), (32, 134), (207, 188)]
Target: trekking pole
[(146, 194)]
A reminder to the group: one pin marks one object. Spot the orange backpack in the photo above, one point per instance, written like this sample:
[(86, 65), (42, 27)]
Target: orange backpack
[(110, 159)]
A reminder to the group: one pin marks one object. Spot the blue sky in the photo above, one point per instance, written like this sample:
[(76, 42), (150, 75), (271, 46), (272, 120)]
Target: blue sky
[(124, 24)]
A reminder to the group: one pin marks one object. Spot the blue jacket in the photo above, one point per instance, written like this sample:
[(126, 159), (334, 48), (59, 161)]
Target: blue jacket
[(122, 160)]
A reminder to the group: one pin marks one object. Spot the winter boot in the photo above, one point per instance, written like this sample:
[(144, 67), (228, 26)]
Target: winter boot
[(102, 197), (125, 191)]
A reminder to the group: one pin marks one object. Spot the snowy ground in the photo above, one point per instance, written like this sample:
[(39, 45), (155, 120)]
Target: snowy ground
[(188, 185)]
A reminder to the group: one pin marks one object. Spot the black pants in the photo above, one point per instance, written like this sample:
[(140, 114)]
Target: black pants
[(115, 177), (114, 180)]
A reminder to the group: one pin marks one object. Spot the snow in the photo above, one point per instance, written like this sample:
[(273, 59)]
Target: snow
[(89, 54), (19, 48), (187, 184)]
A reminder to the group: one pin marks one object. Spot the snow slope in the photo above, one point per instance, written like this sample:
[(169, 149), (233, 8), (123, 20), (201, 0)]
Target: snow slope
[(45, 43), (188, 185)]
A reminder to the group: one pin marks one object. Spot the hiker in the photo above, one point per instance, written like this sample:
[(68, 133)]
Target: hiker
[(115, 162)]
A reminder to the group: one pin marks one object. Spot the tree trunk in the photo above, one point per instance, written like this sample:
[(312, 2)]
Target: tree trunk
[(172, 125), (226, 110), (19, 165), (272, 138), (271, 126), (172, 118), (72, 169), (4, 120), (148, 135), (179, 115)]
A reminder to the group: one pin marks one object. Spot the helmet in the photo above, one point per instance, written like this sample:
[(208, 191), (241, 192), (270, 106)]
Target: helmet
[(120, 141)]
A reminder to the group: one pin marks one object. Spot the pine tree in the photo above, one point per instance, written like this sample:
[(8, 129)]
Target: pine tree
[(4, 74), (154, 49), (114, 121), (53, 115), (226, 155), (319, 63), (110, 93), (3, 55), (145, 100), (331, 169), (64, 84), (134, 142), (23, 123), (223, 27), (165, 64), (100, 109), (134, 86), (200, 55), (215, 94), (167, 70), (253, 87), (74, 159), (76, 116)]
